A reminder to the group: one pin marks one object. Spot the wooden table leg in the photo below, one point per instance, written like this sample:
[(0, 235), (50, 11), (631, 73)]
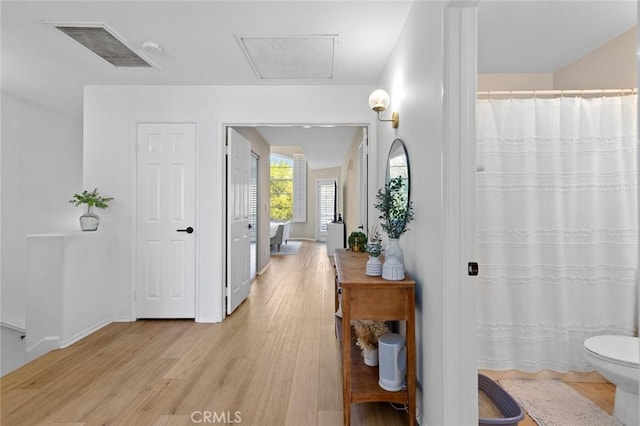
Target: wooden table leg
[(346, 357)]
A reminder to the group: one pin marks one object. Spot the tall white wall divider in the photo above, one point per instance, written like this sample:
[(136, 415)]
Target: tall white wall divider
[(458, 189)]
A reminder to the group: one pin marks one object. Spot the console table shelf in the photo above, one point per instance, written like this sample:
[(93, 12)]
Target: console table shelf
[(372, 298)]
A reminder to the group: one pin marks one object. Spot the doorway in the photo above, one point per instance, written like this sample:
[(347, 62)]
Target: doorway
[(263, 139), (326, 205)]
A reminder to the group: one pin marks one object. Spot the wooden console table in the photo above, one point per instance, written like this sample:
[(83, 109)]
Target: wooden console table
[(372, 298)]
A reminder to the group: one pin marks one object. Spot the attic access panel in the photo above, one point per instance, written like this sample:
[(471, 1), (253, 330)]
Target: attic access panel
[(290, 57), (106, 44)]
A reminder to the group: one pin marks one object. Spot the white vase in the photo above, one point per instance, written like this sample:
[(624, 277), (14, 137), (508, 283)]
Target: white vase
[(393, 267), (374, 266), (370, 357)]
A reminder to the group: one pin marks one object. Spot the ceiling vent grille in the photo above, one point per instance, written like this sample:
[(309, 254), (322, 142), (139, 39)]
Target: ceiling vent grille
[(105, 43), (307, 57)]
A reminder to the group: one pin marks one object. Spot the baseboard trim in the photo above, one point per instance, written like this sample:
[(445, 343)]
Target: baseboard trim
[(570, 377), (263, 270), (84, 333), (44, 345)]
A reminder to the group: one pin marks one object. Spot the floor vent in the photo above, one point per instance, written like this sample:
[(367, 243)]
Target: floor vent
[(105, 43)]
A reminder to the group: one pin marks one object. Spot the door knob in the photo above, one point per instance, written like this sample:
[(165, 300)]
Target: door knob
[(189, 230)]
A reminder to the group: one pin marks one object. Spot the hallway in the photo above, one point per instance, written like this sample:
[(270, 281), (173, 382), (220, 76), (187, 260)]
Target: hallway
[(273, 362)]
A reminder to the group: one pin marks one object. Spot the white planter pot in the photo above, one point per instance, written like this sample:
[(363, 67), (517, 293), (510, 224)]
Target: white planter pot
[(370, 357), (374, 267)]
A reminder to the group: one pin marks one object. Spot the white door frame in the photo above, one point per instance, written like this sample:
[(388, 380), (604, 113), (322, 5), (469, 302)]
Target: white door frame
[(256, 157), (458, 210), (363, 178), (238, 279), (371, 189)]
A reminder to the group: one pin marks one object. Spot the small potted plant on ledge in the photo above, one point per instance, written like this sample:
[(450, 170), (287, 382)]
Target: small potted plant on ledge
[(396, 211), (357, 241), (374, 248), (367, 334), (89, 221)]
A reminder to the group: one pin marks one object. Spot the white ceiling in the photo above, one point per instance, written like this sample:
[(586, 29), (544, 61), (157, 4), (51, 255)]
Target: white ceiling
[(198, 40), (323, 147), (200, 46)]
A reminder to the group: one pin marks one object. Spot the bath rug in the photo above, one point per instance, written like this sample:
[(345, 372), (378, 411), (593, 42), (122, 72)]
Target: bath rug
[(291, 247), (554, 403)]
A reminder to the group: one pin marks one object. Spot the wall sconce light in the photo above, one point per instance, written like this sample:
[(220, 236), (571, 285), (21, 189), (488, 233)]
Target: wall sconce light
[(379, 101)]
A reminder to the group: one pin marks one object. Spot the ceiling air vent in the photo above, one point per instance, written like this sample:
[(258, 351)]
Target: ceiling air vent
[(105, 43), (290, 56)]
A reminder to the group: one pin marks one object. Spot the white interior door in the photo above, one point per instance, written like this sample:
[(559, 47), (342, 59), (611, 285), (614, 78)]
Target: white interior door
[(238, 241), (165, 240)]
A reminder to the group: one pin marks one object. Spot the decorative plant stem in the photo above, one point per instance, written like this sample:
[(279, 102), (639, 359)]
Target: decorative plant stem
[(395, 211), (91, 199)]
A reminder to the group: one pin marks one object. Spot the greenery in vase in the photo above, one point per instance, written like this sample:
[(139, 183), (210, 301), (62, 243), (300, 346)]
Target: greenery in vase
[(395, 211), (91, 199), (357, 241), (374, 248)]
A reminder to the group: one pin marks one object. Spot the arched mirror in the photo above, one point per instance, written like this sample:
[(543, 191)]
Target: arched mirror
[(398, 165)]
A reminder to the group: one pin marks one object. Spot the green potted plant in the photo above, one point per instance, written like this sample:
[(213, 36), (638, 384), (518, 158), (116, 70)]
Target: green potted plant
[(89, 221), (357, 241), (396, 211)]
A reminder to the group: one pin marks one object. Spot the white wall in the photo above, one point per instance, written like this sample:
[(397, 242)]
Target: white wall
[(610, 66), (350, 180), (41, 170), (110, 116), (68, 287)]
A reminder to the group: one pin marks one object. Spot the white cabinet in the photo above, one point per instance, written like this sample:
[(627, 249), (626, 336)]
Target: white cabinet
[(335, 237)]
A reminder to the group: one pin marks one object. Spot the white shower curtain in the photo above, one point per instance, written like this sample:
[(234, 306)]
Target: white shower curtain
[(557, 228)]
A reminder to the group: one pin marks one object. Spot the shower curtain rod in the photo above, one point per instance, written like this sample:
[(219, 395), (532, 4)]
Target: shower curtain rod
[(534, 93)]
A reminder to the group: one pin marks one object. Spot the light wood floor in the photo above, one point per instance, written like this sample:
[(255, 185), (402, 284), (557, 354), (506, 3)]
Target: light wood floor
[(273, 362)]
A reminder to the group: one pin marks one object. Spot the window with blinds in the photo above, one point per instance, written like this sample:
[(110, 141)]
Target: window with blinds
[(326, 204), (299, 188), (281, 188)]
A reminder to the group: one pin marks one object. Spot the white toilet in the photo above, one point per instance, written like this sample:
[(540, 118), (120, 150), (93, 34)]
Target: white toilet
[(617, 359)]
